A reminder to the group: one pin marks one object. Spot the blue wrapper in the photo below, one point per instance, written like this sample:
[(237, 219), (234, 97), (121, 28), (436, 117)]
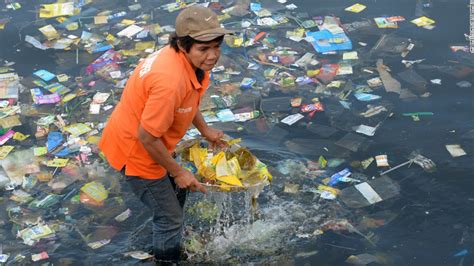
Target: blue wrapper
[(190, 167), (339, 177)]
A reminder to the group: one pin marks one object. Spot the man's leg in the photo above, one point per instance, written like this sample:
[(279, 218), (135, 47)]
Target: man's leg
[(161, 197)]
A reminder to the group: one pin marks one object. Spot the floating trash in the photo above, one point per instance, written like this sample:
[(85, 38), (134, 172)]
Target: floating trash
[(232, 168)]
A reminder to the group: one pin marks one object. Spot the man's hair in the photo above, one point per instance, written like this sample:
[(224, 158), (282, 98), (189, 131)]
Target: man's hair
[(187, 42)]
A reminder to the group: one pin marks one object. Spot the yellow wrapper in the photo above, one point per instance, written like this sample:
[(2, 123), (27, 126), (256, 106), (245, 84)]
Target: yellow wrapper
[(57, 162), (234, 167), (207, 172), (78, 129), (322, 162), (231, 180), (221, 166), (365, 163), (422, 21), (350, 55), (68, 97), (141, 46), (39, 151), (326, 180), (44, 176), (334, 191), (95, 190), (100, 20), (10, 121), (4, 151), (128, 21), (20, 136), (298, 33), (225, 187), (356, 8), (223, 173), (61, 19), (197, 155), (312, 73), (72, 26), (93, 140), (49, 32), (216, 158), (56, 10), (62, 77), (234, 141), (263, 171), (238, 42), (223, 17), (130, 52), (155, 28)]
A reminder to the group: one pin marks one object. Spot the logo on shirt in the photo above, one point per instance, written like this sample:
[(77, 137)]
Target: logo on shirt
[(184, 110), (146, 67)]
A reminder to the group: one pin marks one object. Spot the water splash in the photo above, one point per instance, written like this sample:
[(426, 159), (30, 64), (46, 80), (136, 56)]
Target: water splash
[(238, 230)]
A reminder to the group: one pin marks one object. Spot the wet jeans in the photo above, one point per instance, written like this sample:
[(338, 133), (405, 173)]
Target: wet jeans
[(166, 201)]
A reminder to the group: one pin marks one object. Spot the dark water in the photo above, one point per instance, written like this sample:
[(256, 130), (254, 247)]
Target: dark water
[(429, 222)]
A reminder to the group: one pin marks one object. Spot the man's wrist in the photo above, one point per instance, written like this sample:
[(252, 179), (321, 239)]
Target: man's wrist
[(204, 130), (176, 171)]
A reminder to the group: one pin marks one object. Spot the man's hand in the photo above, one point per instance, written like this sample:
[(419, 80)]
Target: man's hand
[(214, 136), (186, 180), (211, 134)]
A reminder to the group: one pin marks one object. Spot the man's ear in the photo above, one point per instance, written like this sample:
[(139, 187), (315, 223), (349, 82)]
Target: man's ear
[(181, 48)]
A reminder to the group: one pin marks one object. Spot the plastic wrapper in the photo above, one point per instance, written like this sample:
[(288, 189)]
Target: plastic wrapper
[(33, 234), (368, 193), (95, 191), (389, 44), (19, 163), (232, 168)]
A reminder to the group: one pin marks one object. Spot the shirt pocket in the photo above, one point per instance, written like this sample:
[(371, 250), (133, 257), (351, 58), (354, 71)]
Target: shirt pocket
[(182, 120)]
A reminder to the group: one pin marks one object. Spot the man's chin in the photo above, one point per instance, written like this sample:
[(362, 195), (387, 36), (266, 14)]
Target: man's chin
[(205, 67)]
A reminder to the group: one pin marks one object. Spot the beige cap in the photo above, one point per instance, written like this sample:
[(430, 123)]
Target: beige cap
[(200, 23)]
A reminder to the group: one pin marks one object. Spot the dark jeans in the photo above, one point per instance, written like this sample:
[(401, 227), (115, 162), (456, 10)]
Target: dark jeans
[(166, 201)]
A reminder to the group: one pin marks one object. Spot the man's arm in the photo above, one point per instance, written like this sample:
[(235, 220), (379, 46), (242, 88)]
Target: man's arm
[(158, 151), (200, 123)]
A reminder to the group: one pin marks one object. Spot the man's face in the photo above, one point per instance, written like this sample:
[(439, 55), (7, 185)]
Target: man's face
[(204, 55)]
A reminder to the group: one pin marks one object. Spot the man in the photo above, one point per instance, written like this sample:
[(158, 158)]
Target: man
[(159, 102)]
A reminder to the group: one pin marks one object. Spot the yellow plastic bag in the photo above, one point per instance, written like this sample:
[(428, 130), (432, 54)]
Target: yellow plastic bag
[(230, 179), (197, 155), (234, 167), (217, 158), (246, 159), (224, 175), (265, 173), (208, 173)]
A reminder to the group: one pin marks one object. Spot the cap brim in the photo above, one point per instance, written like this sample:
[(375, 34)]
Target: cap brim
[(211, 34)]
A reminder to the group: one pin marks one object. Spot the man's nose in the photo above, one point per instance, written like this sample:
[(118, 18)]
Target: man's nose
[(213, 54)]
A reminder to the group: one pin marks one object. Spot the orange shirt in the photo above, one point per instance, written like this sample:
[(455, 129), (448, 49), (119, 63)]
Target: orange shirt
[(162, 95)]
